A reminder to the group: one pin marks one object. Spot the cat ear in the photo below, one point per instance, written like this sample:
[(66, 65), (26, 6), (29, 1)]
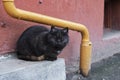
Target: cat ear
[(65, 30), (53, 29)]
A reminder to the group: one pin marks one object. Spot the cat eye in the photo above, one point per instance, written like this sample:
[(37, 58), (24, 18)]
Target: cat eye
[(65, 30)]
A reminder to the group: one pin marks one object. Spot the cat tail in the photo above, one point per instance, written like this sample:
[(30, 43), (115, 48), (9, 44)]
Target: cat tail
[(31, 58)]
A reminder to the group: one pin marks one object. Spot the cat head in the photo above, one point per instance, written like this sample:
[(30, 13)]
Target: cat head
[(63, 31), (58, 37)]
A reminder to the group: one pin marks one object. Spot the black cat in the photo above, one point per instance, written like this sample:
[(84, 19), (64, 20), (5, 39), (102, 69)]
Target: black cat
[(40, 43)]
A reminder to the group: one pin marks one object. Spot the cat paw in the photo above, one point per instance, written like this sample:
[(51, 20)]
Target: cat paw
[(50, 58)]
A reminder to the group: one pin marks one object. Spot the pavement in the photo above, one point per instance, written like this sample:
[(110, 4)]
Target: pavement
[(106, 69)]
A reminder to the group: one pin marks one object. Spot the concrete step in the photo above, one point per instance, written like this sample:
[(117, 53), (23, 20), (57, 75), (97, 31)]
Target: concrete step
[(15, 69)]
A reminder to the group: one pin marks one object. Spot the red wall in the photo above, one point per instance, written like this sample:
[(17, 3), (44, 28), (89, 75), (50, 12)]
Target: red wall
[(87, 12)]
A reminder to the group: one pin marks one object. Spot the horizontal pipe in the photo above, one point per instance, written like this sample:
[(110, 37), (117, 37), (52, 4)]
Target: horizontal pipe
[(43, 19)]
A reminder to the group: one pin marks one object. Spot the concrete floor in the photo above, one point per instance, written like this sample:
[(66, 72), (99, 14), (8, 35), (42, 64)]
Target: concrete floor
[(16, 69), (110, 33), (106, 69)]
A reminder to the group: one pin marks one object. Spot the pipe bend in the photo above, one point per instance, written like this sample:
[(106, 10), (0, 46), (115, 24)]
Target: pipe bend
[(11, 9)]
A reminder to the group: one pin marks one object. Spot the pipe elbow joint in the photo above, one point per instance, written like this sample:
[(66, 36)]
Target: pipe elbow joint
[(11, 9)]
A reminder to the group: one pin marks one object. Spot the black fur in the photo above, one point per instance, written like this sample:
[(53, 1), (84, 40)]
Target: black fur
[(38, 40)]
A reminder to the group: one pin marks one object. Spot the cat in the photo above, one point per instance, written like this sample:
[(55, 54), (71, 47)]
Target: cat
[(40, 43)]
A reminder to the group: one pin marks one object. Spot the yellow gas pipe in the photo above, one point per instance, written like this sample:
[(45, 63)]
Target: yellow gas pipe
[(85, 51)]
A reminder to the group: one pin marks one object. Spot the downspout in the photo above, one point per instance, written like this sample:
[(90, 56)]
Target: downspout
[(86, 46)]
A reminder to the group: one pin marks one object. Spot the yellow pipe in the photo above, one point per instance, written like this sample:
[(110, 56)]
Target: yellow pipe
[(85, 56)]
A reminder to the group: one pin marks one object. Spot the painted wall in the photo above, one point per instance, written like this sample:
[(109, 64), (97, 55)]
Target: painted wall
[(87, 12)]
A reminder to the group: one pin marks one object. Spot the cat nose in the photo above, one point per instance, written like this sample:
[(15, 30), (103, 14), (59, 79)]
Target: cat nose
[(59, 40)]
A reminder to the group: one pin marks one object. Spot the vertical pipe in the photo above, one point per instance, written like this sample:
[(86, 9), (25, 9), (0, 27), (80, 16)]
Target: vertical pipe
[(85, 57)]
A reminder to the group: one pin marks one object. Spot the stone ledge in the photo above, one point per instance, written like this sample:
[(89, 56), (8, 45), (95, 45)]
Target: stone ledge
[(14, 69)]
